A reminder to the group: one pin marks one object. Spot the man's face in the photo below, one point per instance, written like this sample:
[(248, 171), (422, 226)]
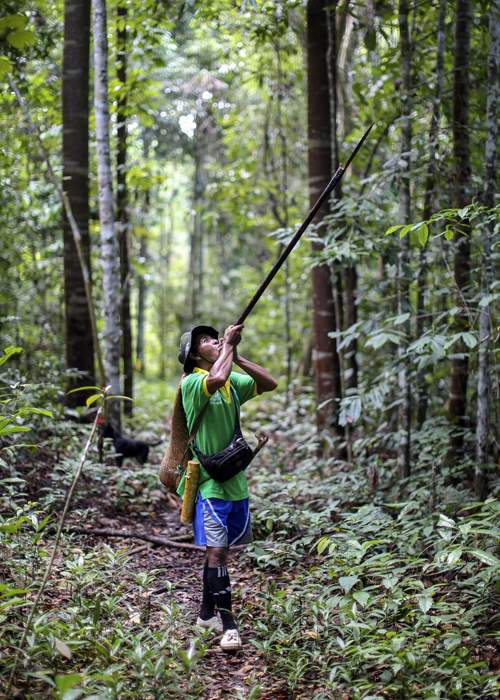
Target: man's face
[(207, 348)]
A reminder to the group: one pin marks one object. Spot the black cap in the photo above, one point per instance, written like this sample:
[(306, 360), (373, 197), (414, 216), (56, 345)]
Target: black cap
[(187, 342)]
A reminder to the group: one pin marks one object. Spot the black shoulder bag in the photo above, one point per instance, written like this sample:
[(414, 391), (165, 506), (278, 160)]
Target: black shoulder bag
[(233, 459)]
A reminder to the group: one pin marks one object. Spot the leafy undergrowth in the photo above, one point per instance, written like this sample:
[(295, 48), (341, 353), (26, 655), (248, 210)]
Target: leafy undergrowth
[(350, 590)]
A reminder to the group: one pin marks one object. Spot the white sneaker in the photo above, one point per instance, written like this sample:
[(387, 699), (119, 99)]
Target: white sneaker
[(213, 623), (231, 641)]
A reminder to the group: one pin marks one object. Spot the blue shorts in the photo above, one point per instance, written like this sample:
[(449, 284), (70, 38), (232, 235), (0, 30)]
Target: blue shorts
[(220, 523)]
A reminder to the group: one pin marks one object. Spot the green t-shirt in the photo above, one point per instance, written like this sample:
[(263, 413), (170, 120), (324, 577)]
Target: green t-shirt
[(217, 426)]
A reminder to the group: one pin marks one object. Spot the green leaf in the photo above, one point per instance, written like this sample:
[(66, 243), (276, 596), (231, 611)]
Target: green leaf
[(322, 544), (485, 557), (63, 648), (405, 230), (423, 234), (31, 410), (68, 681), (118, 396), (21, 38), (11, 349), (5, 69), (84, 388), (425, 602), (444, 521), (14, 429), (13, 22), (362, 597), (469, 339), (392, 229), (454, 556), (92, 399), (347, 582), (449, 233)]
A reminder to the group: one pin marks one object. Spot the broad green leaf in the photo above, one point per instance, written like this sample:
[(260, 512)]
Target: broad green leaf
[(445, 521), (405, 230), (389, 581), (14, 429), (322, 544), (347, 582), (469, 339), (92, 399), (21, 38), (31, 410), (423, 234), (392, 229), (63, 648), (449, 233), (68, 681), (13, 22), (425, 602), (454, 556), (485, 557), (11, 349), (5, 69), (362, 597)]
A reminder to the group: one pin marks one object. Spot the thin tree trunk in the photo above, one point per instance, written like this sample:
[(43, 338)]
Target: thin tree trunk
[(283, 187), (122, 210), (141, 309), (325, 358), (166, 237), (403, 262), (483, 380), (110, 252), (75, 105), (457, 403), (430, 203), (196, 237)]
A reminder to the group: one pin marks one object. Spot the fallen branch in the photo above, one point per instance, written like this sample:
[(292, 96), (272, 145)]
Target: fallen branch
[(109, 532)]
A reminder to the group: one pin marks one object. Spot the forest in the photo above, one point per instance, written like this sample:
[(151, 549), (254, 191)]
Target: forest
[(156, 160)]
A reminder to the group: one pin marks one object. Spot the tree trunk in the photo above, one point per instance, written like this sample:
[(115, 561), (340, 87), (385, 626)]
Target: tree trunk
[(430, 203), (457, 402), (122, 211), (325, 359), (403, 262), (141, 308), (75, 105), (110, 252), (196, 262), (483, 379), (166, 238)]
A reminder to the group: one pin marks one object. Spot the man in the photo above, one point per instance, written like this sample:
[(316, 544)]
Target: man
[(221, 516)]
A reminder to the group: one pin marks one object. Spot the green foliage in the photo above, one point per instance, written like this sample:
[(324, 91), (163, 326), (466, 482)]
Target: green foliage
[(386, 599)]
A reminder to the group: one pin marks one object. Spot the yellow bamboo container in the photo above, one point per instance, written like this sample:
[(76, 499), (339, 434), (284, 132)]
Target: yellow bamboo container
[(190, 491)]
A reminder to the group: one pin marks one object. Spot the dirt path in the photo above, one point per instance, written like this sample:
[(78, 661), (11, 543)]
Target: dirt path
[(225, 675)]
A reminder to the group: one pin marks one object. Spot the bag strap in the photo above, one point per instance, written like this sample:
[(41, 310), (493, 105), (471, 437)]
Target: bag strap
[(199, 417)]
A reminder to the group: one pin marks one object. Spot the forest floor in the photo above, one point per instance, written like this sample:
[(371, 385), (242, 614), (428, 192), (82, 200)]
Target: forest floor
[(343, 595), (224, 675)]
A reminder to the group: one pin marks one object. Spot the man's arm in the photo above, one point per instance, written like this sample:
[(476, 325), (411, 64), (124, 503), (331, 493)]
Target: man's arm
[(263, 379), (221, 369)]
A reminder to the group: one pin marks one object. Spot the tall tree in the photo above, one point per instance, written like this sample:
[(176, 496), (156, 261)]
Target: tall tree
[(75, 108), (122, 209), (490, 152), (403, 262), (110, 252), (325, 358), (457, 400), (430, 200)]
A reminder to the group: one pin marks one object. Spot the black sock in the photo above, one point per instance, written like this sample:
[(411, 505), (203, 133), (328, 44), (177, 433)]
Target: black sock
[(218, 580), (207, 608)]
